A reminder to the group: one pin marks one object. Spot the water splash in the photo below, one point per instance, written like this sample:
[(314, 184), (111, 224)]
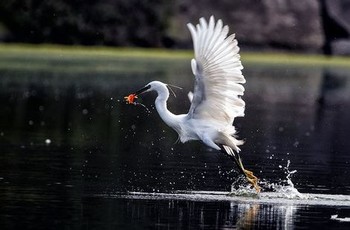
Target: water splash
[(283, 189), (145, 107), (289, 190), (243, 191), (240, 187), (344, 219)]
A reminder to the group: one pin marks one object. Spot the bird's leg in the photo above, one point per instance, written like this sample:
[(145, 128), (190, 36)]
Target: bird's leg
[(248, 174), (252, 179)]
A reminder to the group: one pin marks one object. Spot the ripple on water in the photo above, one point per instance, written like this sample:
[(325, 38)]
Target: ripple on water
[(282, 193)]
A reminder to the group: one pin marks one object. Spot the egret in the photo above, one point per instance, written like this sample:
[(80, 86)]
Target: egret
[(216, 100)]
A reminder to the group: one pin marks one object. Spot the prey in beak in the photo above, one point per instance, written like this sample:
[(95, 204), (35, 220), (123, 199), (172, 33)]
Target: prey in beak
[(130, 99)]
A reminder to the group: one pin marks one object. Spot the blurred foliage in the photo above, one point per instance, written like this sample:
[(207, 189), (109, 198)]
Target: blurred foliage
[(107, 59), (89, 22)]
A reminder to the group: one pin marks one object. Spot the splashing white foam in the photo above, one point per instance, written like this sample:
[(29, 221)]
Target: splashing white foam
[(335, 217), (288, 190), (284, 189), (240, 188), (243, 191)]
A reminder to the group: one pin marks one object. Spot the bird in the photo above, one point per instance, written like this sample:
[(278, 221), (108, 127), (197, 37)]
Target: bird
[(217, 97)]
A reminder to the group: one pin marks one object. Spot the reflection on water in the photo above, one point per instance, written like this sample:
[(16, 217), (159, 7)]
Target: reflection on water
[(187, 214), (99, 145)]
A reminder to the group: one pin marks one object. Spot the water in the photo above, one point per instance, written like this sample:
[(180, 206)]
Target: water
[(73, 155)]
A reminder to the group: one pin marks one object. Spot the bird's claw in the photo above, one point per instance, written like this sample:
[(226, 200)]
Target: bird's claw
[(252, 179)]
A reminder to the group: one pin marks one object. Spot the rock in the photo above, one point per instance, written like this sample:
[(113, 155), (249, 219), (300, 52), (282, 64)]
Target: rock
[(286, 24), (336, 20), (339, 10), (341, 47)]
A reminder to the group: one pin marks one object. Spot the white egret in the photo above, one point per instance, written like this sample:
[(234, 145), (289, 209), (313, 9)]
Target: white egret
[(216, 100)]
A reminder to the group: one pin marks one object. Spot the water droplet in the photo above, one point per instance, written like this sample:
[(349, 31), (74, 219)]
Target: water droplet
[(147, 110)]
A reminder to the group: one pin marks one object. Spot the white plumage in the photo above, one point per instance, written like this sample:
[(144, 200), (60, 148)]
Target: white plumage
[(216, 100), (217, 68)]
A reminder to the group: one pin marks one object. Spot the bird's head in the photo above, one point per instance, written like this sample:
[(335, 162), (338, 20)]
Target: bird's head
[(154, 85)]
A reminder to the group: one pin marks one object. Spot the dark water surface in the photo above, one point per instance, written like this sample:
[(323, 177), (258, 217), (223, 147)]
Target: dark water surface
[(70, 148)]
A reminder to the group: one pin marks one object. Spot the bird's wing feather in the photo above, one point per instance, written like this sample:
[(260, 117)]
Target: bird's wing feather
[(217, 69)]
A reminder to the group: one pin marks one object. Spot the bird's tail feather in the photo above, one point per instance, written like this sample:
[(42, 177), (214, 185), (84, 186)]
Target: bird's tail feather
[(230, 142)]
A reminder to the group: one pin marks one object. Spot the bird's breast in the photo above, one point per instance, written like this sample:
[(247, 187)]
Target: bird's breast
[(187, 132)]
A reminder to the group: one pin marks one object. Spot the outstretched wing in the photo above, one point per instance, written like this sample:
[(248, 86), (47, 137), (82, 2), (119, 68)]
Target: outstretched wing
[(218, 76)]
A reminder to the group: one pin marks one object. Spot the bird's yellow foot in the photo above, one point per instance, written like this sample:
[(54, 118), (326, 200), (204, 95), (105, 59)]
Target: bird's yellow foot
[(252, 179)]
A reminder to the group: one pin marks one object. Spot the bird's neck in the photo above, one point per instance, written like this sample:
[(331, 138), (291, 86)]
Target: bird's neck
[(161, 105)]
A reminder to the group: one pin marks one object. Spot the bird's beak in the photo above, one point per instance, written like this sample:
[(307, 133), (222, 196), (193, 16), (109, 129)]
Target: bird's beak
[(131, 97), (143, 90)]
